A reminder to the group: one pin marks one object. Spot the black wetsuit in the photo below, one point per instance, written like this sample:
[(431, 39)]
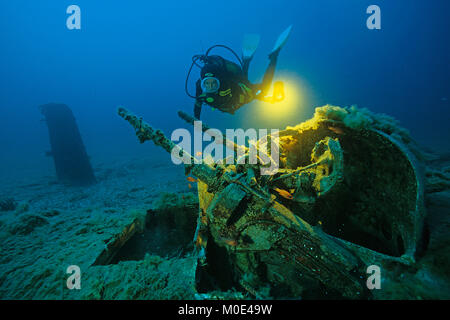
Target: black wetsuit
[(235, 89)]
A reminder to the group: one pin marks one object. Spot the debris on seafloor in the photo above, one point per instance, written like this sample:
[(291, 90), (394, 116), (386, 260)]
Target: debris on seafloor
[(355, 199)]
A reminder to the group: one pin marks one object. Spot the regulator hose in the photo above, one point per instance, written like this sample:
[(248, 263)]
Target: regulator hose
[(204, 58)]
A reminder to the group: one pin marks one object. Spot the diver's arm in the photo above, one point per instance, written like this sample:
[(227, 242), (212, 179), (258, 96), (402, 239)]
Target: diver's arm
[(198, 102), (197, 109)]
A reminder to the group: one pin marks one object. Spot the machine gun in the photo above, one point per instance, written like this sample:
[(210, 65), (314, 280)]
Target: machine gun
[(246, 219)]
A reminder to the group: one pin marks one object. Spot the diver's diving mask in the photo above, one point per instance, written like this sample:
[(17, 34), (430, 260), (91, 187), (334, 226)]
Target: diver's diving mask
[(210, 85)]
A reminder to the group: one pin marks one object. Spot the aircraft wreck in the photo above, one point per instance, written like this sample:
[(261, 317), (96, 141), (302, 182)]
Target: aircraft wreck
[(349, 194)]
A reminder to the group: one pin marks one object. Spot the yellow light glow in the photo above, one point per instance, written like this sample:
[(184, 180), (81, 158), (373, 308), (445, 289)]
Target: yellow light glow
[(293, 100)]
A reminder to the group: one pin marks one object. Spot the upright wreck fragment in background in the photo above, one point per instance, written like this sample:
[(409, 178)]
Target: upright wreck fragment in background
[(67, 149), (348, 194)]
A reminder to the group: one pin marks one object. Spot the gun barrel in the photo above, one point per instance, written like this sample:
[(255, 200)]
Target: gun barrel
[(228, 143), (145, 132)]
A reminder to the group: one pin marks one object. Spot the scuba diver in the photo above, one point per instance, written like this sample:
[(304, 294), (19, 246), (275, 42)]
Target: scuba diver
[(224, 84)]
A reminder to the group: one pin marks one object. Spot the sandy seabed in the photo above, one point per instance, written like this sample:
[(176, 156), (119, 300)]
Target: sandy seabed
[(55, 226)]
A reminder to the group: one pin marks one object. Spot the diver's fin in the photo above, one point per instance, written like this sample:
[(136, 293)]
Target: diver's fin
[(249, 45), (282, 38)]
